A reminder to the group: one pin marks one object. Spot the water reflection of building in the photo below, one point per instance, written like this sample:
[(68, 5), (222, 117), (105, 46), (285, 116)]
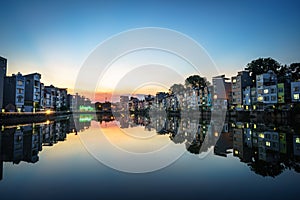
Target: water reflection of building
[(1, 160), (268, 150), (225, 141), (24, 142)]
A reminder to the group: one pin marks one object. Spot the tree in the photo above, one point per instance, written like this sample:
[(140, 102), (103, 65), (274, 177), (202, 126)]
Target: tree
[(262, 65), (177, 88), (196, 82), (295, 71)]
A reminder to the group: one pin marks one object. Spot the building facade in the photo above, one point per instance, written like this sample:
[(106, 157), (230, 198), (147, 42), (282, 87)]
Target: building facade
[(50, 97), (3, 68), (295, 91), (238, 84), (32, 92), (266, 85), (14, 93), (221, 92)]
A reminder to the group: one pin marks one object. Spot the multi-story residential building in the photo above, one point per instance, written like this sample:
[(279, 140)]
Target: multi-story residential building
[(50, 94), (3, 67), (14, 93), (32, 92), (247, 99), (149, 99), (266, 85), (124, 100), (160, 101), (205, 99), (295, 91), (221, 92), (42, 98), (239, 83), (253, 97), (70, 102), (61, 99)]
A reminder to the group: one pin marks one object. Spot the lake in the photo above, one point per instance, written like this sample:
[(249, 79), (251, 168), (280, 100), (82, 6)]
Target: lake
[(136, 157)]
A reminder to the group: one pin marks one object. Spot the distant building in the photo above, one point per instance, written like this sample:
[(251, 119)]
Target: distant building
[(70, 102), (295, 91), (124, 100), (42, 98), (3, 68), (32, 92), (14, 93), (50, 94), (160, 101), (238, 85), (133, 104), (221, 92), (61, 99)]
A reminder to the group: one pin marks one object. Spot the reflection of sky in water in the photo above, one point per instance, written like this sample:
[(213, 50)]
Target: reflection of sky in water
[(67, 169)]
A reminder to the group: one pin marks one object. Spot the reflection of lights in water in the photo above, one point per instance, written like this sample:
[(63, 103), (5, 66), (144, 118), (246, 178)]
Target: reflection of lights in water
[(216, 134), (48, 112)]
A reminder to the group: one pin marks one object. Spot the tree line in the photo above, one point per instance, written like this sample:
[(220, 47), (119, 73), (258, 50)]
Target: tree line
[(255, 67)]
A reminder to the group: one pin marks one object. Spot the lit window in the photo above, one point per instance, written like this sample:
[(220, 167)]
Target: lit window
[(260, 98), (266, 91), (234, 80), (298, 140), (296, 96), (236, 152), (268, 144), (261, 135)]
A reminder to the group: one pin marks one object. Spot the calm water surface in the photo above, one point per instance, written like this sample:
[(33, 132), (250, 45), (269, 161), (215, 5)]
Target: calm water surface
[(245, 160)]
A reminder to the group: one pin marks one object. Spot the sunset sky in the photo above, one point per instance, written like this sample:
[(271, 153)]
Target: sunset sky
[(55, 38)]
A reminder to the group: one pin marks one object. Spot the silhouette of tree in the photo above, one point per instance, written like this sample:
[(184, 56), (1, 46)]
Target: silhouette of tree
[(266, 168), (177, 88), (295, 71), (262, 65), (196, 82)]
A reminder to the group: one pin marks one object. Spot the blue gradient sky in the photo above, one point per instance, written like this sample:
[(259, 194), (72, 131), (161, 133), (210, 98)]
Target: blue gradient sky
[(55, 37)]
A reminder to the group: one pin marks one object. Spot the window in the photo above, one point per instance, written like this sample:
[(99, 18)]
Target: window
[(20, 91), (268, 144), (296, 96), (20, 99), (20, 82), (280, 90), (274, 137), (267, 98), (296, 89), (266, 91), (273, 98), (273, 90)]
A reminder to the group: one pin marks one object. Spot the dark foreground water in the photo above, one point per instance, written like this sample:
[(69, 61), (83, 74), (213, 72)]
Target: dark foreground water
[(244, 160)]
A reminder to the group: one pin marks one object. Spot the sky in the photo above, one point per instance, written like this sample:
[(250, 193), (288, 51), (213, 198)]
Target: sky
[(55, 38)]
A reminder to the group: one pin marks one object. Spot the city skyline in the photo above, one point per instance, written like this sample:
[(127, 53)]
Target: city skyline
[(52, 37)]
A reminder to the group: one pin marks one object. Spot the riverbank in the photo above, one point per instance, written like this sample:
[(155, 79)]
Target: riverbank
[(9, 118)]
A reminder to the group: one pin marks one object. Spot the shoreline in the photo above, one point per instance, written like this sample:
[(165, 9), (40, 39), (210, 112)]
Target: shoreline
[(9, 118)]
